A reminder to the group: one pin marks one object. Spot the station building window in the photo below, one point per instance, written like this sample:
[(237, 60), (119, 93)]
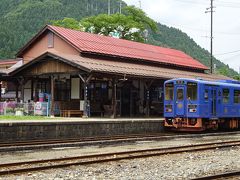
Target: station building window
[(50, 40), (43, 86), (98, 91), (62, 90)]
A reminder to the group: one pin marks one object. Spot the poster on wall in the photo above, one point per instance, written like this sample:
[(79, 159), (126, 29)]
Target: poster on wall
[(75, 88)]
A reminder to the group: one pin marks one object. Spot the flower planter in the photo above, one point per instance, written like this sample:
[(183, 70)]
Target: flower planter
[(19, 113)]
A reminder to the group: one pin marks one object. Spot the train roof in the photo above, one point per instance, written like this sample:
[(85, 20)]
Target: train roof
[(232, 83)]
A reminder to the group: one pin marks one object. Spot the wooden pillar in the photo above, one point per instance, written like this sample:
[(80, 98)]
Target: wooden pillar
[(32, 89), (148, 86), (0, 90), (35, 92), (22, 91), (86, 108), (114, 98), (52, 96), (20, 83), (86, 105), (16, 84), (147, 103)]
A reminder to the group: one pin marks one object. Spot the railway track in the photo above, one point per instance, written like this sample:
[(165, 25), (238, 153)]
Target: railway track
[(37, 165), (84, 139), (32, 144), (220, 176)]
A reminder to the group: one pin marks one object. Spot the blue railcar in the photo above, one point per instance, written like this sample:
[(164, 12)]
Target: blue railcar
[(197, 105)]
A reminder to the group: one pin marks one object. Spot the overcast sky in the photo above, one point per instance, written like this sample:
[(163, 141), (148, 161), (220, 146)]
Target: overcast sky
[(190, 17)]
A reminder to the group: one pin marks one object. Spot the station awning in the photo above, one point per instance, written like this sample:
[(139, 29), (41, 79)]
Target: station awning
[(119, 67), (133, 69)]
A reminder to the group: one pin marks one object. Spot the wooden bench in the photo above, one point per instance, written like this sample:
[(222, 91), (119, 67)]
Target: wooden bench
[(69, 112)]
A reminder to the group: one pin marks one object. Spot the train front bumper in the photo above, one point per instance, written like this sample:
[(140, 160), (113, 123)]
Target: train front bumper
[(182, 124)]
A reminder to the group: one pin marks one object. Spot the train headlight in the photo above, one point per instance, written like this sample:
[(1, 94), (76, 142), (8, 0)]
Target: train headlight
[(192, 121), (168, 108), (192, 108)]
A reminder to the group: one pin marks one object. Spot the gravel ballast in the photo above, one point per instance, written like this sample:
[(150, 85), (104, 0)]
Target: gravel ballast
[(176, 166)]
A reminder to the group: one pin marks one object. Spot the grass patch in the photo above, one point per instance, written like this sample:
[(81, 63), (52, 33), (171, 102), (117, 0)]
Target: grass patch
[(2, 117)]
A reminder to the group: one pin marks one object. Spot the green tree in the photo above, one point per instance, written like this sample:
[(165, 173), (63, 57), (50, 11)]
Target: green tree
[(20, 20), (67, 23), (140, 16), (237, 77), (131, 25)]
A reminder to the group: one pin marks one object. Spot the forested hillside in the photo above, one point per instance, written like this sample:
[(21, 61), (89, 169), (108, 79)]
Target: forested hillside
[(21, 19), (174, 38)]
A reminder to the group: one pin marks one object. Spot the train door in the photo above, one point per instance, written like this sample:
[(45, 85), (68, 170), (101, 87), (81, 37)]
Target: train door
[(180, 101), (213, 101)]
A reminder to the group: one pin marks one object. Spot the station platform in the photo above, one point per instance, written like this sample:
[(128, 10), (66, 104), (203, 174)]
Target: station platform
[(69, 128)]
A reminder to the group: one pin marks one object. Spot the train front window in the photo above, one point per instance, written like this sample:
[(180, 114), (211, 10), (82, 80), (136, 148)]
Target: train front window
[(169, 91), (192, 91), (179, 94), (225, 96)]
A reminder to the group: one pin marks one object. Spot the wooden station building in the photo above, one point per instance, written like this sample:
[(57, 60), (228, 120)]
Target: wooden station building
[(99, 75)]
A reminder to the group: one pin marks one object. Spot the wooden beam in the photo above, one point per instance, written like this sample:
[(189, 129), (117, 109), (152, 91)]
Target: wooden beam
[(85, 79)]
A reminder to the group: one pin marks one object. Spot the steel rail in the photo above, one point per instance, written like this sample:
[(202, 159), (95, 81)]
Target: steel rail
[(218, 176), (107, 157), (55, 141)]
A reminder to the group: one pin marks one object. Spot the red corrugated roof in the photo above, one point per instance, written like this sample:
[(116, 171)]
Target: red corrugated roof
[(9, 61), (104, 45)]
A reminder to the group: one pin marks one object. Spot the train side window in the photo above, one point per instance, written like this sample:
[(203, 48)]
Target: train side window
[(206, 94), (192, 91), (237, 96), (225, 96), (169, 91)]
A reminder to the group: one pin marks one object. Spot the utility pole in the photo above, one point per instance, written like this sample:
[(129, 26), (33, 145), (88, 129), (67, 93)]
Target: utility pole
[(211, 36), (140, 4), (87, 5), (120, 7), (109, 7), (211, 48)]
